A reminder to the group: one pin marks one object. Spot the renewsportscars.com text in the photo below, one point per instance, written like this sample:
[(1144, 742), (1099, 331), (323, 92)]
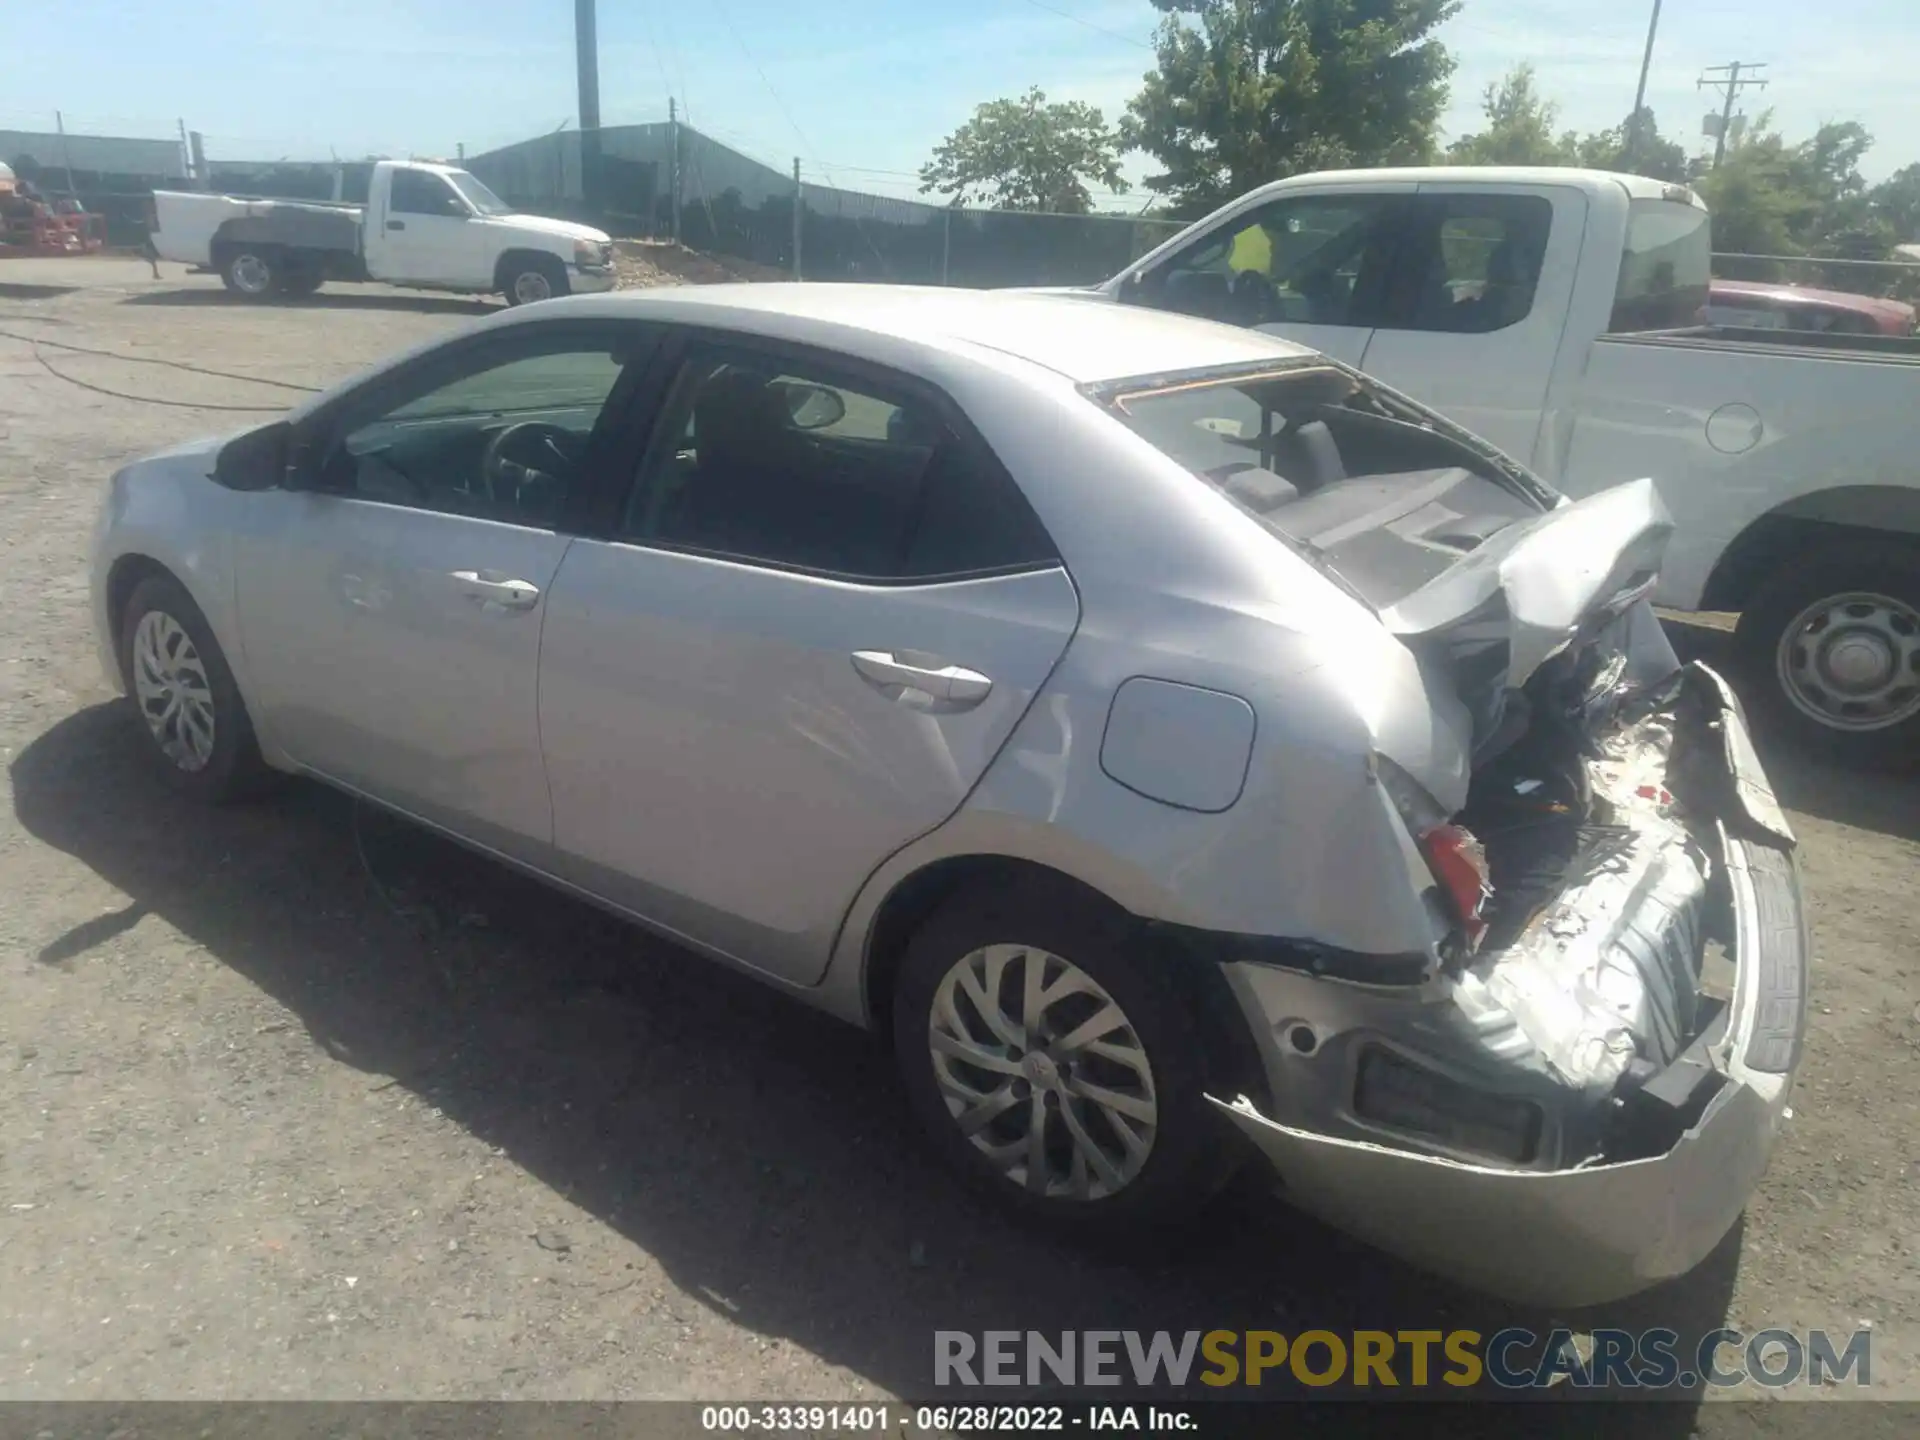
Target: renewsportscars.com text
[(1513, 1359)]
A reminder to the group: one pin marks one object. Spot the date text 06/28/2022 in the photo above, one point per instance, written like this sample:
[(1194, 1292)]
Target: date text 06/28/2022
[(1227, 1361)]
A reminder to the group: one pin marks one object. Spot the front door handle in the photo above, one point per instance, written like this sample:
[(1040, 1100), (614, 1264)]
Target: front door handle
[(396, 224), (953, 683), (484, 587)]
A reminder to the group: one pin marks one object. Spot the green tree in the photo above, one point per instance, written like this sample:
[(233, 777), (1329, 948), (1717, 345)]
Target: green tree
[(1896, 202), (1026, 154), (1650, 153), (1247, 91), (1772, 198), (1520, 128)]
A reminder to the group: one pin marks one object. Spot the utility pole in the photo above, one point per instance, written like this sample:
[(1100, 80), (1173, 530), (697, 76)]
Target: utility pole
[(1630, 150), (186, 155), (799, 209), (1733, 84), (587, 44), (673, 168), (66, 155)]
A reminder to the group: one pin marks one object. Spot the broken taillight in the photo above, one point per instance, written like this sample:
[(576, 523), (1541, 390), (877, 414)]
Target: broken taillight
[(1459, 863)]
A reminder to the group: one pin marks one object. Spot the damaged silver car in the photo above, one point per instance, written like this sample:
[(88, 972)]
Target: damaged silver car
[(1191, 751)]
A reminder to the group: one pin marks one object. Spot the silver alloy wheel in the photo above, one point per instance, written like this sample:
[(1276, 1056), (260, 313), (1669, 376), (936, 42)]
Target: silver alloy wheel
[(1853, 661), (531, 285), (171, 686), (251, 274), (1041, 1069)]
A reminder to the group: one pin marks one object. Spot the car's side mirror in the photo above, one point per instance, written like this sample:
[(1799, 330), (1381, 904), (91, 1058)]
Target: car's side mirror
[(256, 460)]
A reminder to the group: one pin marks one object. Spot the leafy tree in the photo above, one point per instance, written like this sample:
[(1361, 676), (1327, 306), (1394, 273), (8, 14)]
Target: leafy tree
[(1650, 153), (1247, 91), (1896, 204), (1770, 197), (1026, 154), (1520, 128)]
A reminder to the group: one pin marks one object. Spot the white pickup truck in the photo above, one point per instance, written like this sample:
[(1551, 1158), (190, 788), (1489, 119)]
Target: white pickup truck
[(1560, 314), (428, 226)]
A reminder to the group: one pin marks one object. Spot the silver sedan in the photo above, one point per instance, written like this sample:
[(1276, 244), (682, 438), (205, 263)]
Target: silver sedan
[(1187, 750)]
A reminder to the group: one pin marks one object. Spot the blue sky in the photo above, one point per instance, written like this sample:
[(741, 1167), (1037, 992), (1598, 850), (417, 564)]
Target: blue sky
[(861, 88)]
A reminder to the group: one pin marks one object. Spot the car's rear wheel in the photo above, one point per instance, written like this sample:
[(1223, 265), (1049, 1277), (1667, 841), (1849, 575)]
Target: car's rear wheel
[(192, 718), (251, 274), (1052, 1063), (1831, 649)]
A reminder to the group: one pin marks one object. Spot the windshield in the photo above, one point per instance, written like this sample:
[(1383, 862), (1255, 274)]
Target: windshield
[(477, 195)]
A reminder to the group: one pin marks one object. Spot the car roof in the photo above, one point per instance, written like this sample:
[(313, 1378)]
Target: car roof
[(1811, 294), (1637, 187), (1088, 340)]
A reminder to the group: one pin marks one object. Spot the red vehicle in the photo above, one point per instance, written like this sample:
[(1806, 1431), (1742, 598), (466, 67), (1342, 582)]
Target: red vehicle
[(31, 225), (1800, 307)]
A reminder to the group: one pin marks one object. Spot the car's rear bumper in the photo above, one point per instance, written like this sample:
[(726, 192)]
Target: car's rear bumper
[(1585, 1235)]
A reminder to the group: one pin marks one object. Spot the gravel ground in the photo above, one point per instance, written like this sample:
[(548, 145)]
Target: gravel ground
[(298, 1102)]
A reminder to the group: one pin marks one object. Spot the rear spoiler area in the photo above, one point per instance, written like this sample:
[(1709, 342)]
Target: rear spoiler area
[(1538, 587)]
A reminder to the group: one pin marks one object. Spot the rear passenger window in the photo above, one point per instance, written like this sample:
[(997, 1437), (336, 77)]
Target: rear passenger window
[(806, 468), (1471, 263)]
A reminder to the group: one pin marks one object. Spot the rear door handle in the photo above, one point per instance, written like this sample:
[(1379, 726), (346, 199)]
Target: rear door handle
[(396, 224), (486, 588), (952, 683)]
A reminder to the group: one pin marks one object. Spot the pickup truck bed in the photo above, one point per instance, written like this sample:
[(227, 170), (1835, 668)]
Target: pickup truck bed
[(1826, 345)]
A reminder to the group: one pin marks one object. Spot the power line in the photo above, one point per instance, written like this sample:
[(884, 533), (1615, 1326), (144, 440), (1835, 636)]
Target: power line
[(1733, 84), (1080, 20)]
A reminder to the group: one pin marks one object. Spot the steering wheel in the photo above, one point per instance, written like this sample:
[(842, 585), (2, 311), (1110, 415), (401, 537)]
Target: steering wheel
[(530, 453)]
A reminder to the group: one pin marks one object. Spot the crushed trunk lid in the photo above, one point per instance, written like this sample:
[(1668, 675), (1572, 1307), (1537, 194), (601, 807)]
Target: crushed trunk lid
[(1534, 589)]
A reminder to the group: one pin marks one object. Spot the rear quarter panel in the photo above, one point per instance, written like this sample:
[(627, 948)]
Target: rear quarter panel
[(1730, 434)]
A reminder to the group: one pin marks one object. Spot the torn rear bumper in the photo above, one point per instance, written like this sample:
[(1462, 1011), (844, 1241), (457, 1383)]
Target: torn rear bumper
[(1598, 1231)]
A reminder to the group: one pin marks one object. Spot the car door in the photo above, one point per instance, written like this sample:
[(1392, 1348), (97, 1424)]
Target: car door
[(391, 599), (429, 234), (1311, 266), (1483, 284), (816, 617)]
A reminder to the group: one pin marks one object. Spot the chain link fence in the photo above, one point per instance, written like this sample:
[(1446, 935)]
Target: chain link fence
[(670, 180)]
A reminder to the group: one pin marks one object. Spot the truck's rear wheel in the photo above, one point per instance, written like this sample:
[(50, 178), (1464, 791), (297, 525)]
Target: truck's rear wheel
[(1831, 647), (251, 274), (533, 278)]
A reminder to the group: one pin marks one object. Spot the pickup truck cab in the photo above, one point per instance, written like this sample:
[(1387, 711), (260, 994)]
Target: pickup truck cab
[(1561, 315), (428, 226)]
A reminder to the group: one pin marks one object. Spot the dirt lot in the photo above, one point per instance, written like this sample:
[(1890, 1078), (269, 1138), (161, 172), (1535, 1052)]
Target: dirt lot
[(295, 1101)]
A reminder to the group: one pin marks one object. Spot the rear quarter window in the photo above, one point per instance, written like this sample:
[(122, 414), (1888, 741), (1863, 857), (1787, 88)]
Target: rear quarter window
[(1666, 268)]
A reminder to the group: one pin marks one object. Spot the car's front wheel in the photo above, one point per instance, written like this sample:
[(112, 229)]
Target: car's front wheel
[(1053, 1064), (195, 726), (1831, 647), (533, 278)]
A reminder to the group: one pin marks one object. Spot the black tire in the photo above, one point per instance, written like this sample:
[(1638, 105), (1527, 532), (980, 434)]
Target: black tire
[(253, 272), (522, 275), (233, 768), (297, 284), (1885, 568), (1192, 1152)]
